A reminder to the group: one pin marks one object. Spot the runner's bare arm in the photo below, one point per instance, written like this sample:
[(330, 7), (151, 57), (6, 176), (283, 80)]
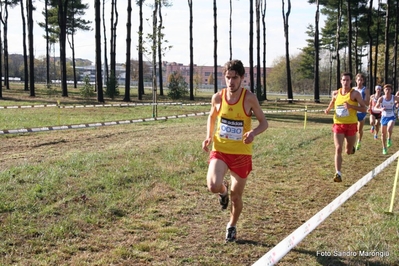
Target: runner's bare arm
[(378, 104), (331, 104), (260, 116), (356, 96), (210, 125)]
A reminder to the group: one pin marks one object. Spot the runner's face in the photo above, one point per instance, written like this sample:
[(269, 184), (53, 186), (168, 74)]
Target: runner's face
[(346, 82), (359, 81), (233, 81)]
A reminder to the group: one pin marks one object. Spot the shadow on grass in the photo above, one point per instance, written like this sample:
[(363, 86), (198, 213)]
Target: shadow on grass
[(344, 260), (254, 243)]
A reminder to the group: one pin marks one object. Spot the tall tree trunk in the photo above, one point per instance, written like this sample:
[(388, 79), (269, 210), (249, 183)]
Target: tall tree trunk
[(75, 80), (316, 82), (215, 46), (264, 48), (370, 55), (230, 29), (287, 51), (26, 73), (1, 66), (357, 63), (62, 22), (251, 46), (386, 53), (337, 48), (128, 48), (106, 70), (141, 66), (160, 27), (114, 23), (72, 45), (258, 63), (31, 48), (395, 49), (190, 5), (47, 43), (154, 59), (4, 21), (99, 80), (330, 73), (349, 17), (377, 43), (6, 67)]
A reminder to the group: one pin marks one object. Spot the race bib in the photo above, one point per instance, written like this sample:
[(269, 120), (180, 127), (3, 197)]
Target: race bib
[(341, 111), (231, 129)]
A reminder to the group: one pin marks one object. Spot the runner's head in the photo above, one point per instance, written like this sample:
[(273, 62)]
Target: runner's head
[(234, 65)]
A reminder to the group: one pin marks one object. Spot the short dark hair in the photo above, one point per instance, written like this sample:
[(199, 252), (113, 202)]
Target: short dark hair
[(347, 74), (235, 65)]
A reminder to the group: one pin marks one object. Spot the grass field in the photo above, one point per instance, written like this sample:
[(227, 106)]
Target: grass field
[(136, 194)]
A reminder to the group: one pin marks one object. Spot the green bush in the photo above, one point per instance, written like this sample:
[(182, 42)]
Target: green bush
[(177, 86), (87, 90)]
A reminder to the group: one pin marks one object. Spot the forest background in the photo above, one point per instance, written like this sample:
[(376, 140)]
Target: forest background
[(357, 36)]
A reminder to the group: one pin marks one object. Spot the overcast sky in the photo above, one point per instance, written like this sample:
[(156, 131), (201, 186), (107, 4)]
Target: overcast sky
[(176, 22)]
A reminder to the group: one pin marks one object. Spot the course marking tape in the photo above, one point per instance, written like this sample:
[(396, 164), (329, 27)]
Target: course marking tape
[(288, 243), (111, 123), (100, 105), (292, 111), (96, 124), (123, 104)]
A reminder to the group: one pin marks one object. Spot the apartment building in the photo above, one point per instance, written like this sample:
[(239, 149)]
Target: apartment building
[(204, 75)]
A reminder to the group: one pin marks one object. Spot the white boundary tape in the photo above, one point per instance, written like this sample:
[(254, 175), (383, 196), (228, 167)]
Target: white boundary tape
[(99, 105), (124, 104), (120, 122), (288, 243), (96, 124), (292, 111)]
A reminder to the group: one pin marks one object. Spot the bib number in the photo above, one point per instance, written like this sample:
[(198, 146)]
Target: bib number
[(340, 111), (231, 129)]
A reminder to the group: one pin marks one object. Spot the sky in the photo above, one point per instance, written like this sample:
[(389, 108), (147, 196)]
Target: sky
[(176, 23)]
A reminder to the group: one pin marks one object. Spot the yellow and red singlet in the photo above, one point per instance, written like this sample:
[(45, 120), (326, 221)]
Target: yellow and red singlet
[(232, 123), (342, 115)]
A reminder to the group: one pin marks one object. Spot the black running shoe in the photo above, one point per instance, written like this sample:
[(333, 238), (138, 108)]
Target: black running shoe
[(231, 233), (224, 200), (337, 178)]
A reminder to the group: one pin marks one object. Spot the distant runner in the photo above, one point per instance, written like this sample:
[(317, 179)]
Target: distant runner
[(346, 102)]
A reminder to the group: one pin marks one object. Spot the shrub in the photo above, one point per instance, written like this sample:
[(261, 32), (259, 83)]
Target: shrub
[(87, 90), (177, 86)]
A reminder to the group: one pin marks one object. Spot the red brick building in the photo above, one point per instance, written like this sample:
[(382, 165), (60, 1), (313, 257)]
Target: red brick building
[(204, 75)]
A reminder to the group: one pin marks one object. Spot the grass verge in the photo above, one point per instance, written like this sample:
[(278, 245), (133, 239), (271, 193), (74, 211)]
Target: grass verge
[(136, 195)]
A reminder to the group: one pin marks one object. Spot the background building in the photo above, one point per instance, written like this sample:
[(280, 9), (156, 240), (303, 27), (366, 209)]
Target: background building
[(204, 76)]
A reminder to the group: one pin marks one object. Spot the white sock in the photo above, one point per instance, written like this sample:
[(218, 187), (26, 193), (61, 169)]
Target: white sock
[(228, 226), (339, 172)]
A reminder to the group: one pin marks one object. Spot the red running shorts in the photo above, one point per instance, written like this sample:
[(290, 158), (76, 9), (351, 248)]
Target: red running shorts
[(347, 129), (238, 163)]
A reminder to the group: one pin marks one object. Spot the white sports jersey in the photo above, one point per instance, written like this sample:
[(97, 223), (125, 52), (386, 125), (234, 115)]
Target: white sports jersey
[(389, 106)]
